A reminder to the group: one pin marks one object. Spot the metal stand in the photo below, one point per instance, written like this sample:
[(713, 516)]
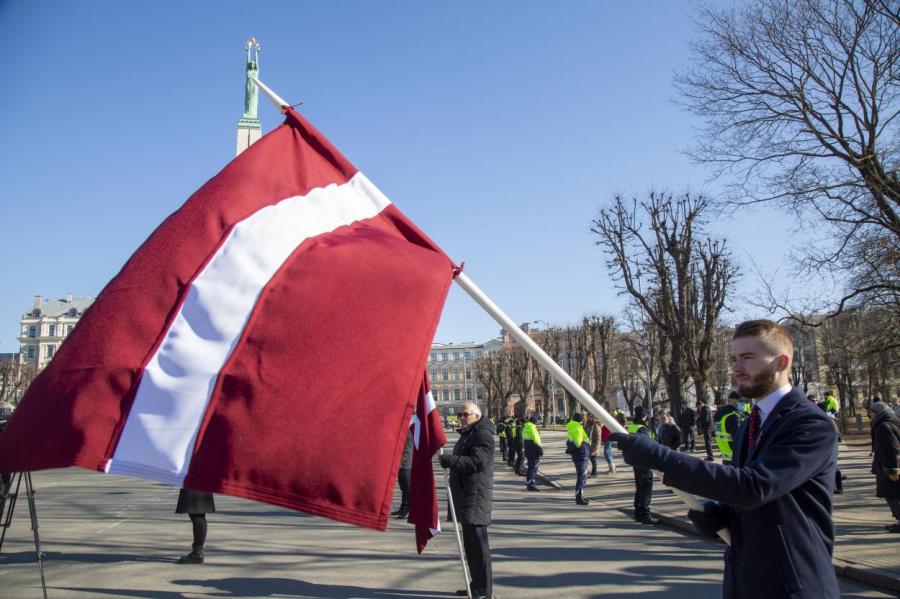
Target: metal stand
[(8, 506)]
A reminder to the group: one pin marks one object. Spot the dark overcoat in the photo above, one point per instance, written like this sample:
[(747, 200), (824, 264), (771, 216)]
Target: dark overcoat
[(777, 500), (886, 454), (195, 502), (472, 474)]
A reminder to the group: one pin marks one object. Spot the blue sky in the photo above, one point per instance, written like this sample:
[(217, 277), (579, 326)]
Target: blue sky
[(500, 128)]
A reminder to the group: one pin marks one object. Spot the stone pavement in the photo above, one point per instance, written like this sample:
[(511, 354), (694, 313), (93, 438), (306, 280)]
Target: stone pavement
[(864, 551), (115, 537)]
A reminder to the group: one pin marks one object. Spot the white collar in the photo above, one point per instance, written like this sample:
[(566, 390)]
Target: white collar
[(768, 403)]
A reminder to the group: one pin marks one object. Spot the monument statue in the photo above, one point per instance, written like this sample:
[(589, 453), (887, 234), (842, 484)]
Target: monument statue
[(251, 92)]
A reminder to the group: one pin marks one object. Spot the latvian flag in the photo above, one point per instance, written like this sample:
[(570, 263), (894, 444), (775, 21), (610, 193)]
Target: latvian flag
[(242, 344), (428, 438)]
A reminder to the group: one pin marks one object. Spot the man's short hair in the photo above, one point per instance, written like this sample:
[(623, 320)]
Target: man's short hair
[(769, 331)]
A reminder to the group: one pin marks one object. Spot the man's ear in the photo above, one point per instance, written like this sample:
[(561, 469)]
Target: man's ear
[(784, 362)]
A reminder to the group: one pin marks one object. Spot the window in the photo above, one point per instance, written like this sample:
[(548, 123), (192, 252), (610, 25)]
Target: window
[(31, 352), (431, 358), (467, 355), (51, 349), (444, 356), (468, 393), (456, 355), (477, 353), (73, 312), (456, 374), (446, 394), (52, 330), (35, 313), (445, 375), (32, 331), (434, 374), (468, 374), (70, 328), (457, 394)]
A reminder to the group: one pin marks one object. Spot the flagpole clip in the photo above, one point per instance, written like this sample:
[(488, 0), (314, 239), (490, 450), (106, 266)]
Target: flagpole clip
[(457, 270)]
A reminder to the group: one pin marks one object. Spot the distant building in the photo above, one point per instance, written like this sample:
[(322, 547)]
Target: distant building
[(46, 325), (453, 372)]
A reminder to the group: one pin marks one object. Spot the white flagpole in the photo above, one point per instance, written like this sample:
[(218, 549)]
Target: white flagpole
[(561, 375), (462, 552), (536, 352)]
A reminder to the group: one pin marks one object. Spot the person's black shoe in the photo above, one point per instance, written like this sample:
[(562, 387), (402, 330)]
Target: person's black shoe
[(402, 515), (649, 520), (582, 500), (532, 488), (191, 558), (396, 511)]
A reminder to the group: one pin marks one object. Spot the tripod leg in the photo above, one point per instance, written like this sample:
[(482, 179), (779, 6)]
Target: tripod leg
[(9, 502), (32, 510)]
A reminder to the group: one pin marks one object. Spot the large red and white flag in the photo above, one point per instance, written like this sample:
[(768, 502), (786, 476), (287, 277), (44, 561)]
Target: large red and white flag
[(428, 438), (285, 300)]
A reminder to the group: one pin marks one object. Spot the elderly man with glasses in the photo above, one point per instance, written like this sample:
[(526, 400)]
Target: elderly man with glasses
[(472, 485)]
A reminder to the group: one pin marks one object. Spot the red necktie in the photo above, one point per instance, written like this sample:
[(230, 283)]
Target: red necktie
[(754, 427)]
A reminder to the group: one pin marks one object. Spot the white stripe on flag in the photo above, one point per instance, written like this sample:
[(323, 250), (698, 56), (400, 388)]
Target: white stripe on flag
[(161, 428)]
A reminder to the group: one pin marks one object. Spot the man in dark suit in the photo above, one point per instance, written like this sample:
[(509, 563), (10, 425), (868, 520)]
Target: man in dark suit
[(776, 497)]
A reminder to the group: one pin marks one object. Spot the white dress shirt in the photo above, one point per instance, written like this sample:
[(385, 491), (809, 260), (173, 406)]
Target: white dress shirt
[(768, 403)]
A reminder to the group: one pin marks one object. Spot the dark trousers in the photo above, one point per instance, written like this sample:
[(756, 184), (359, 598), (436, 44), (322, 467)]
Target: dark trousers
[(894, 504), (198, 521), (838, 481), (594, 465), (690, 438), (512, 453), (643, 492), (707, 441), (503, 448), (478, 557), (403, 481), (520, 459), (580, 473), (533, 455)]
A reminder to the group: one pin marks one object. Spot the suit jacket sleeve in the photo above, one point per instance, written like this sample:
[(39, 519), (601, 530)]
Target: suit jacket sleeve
[(793, 453)]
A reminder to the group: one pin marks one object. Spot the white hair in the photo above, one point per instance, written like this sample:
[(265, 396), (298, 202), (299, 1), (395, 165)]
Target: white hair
[(472, 407)]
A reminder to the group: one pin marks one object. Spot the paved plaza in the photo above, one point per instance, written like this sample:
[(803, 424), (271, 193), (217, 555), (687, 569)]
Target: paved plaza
[(108, 536)]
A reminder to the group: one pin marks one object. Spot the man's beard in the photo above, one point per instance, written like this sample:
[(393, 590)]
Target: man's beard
[(759, 386)]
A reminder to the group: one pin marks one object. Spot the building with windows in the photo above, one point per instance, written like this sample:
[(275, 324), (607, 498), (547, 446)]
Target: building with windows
[(452, 368), (46, 325)]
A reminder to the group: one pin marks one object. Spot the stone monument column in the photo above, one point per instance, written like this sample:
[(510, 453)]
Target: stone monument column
[(248, 129)]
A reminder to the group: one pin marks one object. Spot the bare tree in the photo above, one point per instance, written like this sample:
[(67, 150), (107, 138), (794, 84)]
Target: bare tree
[(657, 254), (494, 375), (800, 103), (522, 373), (599, 334), (549, 340), (15, 377)]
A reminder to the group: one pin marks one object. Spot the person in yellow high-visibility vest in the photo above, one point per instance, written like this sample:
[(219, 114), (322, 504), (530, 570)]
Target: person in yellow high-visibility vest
[(534, 450), (578, 445)]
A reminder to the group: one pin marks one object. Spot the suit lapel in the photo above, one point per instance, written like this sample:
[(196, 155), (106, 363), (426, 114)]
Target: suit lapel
[(786, 404)]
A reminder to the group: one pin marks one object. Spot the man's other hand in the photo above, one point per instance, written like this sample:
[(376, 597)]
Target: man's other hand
[(447, 461), (709, 521)]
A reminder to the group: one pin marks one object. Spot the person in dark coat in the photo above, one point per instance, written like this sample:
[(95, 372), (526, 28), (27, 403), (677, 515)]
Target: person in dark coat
[(776, 497), (669, 433), (705, 424), (689, 428), (195, 504), (886, 458), (403, 477), (472, 488)]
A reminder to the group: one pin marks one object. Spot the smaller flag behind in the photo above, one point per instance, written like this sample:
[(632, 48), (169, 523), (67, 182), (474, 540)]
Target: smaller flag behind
[(428, 438)]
